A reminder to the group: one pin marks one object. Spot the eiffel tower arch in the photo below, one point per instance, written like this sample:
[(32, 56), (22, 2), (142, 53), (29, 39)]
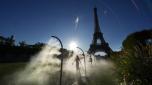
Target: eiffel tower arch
[(98, 43)]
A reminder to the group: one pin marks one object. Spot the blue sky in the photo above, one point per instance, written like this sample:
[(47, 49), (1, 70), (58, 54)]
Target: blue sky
[(37, 20)]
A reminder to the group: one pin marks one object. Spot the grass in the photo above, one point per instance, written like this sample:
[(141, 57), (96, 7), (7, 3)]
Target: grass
[(10, 68)]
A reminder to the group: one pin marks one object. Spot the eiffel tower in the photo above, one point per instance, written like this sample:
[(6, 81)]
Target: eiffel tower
[(98, 43)]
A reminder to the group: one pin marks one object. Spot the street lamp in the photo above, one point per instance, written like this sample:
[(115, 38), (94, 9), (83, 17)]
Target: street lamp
[(61, 70), (84, 59)]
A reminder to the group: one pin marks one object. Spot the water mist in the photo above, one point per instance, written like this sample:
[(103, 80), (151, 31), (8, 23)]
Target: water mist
[(44, 69)]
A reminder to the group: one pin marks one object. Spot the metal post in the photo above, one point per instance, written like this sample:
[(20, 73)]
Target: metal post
[(84, 60), (61, 70)]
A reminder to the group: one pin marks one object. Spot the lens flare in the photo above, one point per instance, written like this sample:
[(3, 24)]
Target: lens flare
[(76, 22), (135, 4)]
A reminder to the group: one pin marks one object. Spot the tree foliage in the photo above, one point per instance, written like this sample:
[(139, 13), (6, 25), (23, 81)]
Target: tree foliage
[(142, 37), (134, 61), (7, 41), (9, 52)]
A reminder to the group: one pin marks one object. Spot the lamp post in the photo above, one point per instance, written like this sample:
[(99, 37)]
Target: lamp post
[(84, 59), (61, 70)]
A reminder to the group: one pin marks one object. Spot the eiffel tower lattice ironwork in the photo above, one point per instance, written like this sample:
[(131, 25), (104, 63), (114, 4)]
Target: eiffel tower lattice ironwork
[(102, 45)]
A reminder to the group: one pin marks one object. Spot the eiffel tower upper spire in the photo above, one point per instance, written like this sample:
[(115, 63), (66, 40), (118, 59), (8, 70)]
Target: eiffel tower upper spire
[(96, 21), (97, 32)]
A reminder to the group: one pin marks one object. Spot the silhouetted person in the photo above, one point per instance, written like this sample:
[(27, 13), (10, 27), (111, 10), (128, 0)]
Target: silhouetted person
[(77, 63), (77, 60), (90, 60)]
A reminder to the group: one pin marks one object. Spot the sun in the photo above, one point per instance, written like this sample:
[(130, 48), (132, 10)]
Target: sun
[(72, 45)]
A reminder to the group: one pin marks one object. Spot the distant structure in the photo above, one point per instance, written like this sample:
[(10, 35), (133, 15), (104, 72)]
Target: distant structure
[(98, 43)]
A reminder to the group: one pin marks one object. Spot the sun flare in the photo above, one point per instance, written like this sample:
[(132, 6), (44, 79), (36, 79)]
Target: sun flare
[(72, 45)]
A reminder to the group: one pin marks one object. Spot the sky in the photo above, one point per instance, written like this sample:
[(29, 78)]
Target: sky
[(72, 20)]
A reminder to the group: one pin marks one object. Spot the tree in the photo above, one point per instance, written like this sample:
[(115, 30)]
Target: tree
[(1, 40), (134, 62), (10, 41), (22, 44), (143, 37)]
